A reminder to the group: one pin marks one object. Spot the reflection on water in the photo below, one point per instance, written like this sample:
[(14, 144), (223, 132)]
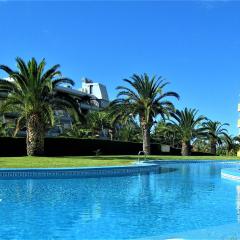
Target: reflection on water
[(186, 196), (238, 203)]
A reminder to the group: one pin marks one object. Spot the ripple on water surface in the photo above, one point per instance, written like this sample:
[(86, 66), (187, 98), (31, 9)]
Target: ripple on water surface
[(189, 197)]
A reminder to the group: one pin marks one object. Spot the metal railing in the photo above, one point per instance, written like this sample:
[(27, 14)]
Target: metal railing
[(142, 152)]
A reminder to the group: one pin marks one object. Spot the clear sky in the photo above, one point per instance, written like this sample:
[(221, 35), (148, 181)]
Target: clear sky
[(194, 45)]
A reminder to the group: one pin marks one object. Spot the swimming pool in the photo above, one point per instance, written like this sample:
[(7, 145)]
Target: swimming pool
[(189, 197)]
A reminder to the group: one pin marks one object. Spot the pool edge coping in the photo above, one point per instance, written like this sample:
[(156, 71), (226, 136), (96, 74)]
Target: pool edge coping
[(142, 167)]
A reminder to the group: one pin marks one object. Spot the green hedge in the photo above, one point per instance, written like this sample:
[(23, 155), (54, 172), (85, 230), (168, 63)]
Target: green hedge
[(73, 146), (77, 147)]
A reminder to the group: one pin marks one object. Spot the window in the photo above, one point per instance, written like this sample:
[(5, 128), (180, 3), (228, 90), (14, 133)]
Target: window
[(91, 89)]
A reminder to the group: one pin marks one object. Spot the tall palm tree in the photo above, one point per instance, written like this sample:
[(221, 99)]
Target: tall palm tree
[(215, 132), (187, 125), (144, 99), (32, 93)]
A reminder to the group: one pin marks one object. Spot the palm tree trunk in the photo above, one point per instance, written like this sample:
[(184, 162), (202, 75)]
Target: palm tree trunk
[(213, 147), (186, 148), (35, 136), (146, 139)]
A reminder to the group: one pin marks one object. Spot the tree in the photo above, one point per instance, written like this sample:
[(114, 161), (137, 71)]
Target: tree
[(200, 145), (99, 122), (187, 125), (77, 131), (165, 134), (231, 144), (32, 92), (145, 100), (128, 130), (215, 133)]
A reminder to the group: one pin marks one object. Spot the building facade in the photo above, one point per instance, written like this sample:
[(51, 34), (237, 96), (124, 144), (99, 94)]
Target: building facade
[(92, 96), (96, 92)]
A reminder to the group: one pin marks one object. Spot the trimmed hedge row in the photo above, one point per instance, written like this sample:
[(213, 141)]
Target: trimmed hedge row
[(77, 147)]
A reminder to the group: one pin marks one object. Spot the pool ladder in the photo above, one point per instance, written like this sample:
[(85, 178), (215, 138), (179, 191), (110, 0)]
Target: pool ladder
[(144, 153)]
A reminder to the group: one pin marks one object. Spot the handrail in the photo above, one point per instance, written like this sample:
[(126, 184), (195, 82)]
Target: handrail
[(144, 153)]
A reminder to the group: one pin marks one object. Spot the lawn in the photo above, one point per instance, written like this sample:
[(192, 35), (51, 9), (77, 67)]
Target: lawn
[(58, 162), (90, 161)]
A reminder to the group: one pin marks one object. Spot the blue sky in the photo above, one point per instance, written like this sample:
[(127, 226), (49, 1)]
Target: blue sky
[(195, 45)]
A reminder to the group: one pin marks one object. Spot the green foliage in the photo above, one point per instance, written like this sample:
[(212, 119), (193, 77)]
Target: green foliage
[(6, 128), (216, 131), (129, 131), (165, 134), (77, 131), (98, 122), (32, 93), (187, 124), (32, 90), (188, 127), (201, 145), (101, 124), (144, 99), (229, 147), (3, 130)]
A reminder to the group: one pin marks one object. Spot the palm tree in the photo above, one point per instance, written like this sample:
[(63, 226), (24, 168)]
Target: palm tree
[(200, 145), (187, 125), (231, 144), (143, 99), (98, 122), (128, 130), (215, 132), (165, 134), (32, 93)]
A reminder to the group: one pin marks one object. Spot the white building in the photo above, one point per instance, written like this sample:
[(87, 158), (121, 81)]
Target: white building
[(97, 90)]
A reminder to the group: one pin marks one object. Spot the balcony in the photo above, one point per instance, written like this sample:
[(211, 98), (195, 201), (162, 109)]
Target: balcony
[(238, 124)]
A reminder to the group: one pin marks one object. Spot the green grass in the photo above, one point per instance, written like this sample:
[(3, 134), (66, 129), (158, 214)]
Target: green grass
[(195, 157), (89, 161), (58, 162)]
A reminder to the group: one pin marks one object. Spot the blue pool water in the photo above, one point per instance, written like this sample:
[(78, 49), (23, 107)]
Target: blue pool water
[(191, 197)]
